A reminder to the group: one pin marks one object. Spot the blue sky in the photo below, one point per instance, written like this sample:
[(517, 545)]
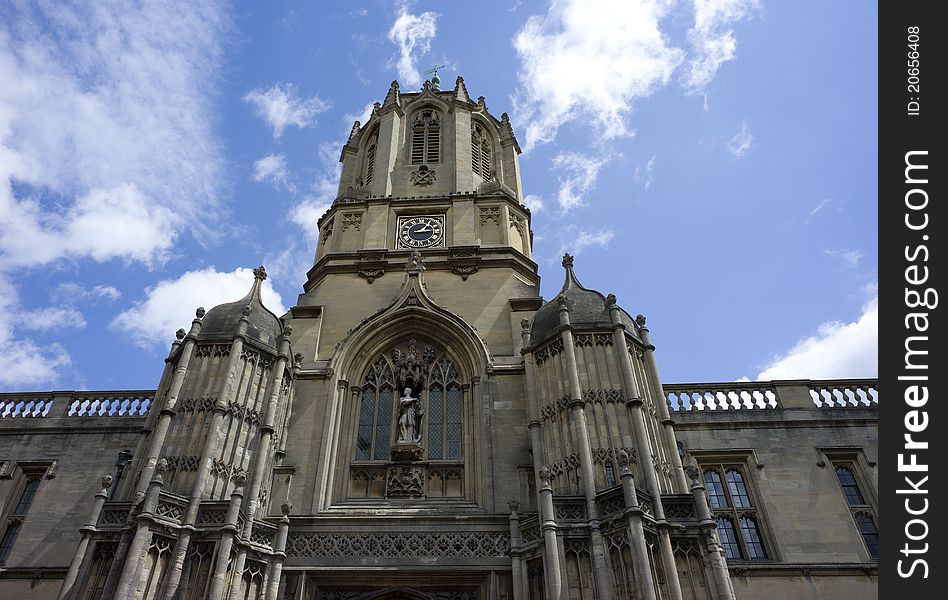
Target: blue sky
[(712, 163)]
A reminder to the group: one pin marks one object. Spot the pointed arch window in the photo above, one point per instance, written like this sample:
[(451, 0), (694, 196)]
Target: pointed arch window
[(432, 377), (444, 410), (370, 152), (375, 413), (480, 151), (426, 137)]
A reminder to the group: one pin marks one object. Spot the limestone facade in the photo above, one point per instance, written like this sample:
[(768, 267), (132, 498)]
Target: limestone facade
[(546, 459)]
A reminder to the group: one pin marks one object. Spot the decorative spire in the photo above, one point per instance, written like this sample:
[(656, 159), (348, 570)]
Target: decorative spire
[(375, 110), (354, 132), (393, 96), (482, 103), (260, 272), (505, 127), (567, 261), (571, 281), (460, 90)]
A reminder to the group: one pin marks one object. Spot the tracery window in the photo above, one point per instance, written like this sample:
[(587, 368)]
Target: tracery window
[(24, 499), (735, 513), (862, 511), (426, 137), (480, 151), (432, 377)]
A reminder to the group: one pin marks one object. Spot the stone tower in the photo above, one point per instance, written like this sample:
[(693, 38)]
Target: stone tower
[(421, 423)]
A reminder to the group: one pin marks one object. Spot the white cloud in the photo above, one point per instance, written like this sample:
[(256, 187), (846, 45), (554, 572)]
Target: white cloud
[(272, 169), (741, 142), (590, 59), (281, 107), (577, 176), (23, 362), (412, 34), (99, 110), (170, 304), (849, 258), (837, 350), (71, 293), (576, 240), (51, 318), (712, 42), (534, 202)]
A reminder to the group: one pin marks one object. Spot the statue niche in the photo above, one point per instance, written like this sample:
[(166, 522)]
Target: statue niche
[(399, 434)]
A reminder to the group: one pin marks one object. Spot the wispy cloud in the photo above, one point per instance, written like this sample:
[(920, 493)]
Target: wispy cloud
[(645, 174), (534, 202), (577, 175), (413, 35), (272, 169), (849, 258), (741, 142), (170, 304), (281, 106), (72, 293), (576, 240), (836, 350), (817, 209), (589, 60), (51, 318), (712, 41)]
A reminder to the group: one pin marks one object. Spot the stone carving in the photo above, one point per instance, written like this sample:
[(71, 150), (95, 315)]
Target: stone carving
[(464, 271), (400, 544), (409, 418), (424, 175), (405, 480), (490, 214), (352, 220), (416, 263)]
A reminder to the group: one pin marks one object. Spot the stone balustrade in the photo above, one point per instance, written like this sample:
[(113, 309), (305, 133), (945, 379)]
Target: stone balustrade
[(773, 395), (121, 403)]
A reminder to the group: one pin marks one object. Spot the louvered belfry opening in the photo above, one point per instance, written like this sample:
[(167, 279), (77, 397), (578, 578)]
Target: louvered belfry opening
[(480, 152), (426, 137)]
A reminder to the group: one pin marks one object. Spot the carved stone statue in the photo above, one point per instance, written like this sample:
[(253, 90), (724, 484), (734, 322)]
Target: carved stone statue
[(409, 419)]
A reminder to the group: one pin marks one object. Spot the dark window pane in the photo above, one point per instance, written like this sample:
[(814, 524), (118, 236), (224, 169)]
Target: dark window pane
[(9, 537), (610, 474), (383, 424), (716, 496), (732, 549), (26, 498), (850, 488), (755, 547), (735, 483), (867, 527), (366, 416), (453, 415), (436, 422)]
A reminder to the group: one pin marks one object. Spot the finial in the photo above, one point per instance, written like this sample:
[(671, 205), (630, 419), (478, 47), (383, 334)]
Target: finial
[(287, 329), (460, 90), (611, 300), (392, 97), (246, 310), (435, 80), (161, 467), (640, 319), (693, 473), (107, 481), (375, 109), (179, 334), (481, 103), (545, 475), (200, 312), (567, 261), (513, 505), (298, 360), (505, 126), (525, 324), (239, 479), (354, 131), (260, 273), (287, 508), (623, 458)]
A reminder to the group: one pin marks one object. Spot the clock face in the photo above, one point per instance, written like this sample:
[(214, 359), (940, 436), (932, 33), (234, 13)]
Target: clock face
[(420, 232)]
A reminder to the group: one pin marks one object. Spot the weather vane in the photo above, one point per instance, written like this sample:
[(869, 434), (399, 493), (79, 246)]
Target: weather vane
[(435, 80)]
